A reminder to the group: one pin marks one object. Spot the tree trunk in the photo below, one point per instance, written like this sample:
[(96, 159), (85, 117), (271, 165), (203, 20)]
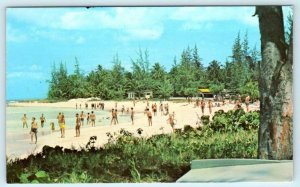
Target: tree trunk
[(276, 109)]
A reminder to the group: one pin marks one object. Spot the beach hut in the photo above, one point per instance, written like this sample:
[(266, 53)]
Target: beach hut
[(148, 94), (205, 93), (131, 95)]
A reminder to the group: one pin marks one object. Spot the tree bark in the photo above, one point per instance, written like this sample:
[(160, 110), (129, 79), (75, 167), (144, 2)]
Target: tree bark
[(276, 108)]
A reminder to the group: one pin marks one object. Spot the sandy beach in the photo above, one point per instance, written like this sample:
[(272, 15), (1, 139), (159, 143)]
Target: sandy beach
[(185, 114)]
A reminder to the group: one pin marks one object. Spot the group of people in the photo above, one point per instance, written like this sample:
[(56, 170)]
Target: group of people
[(34, 126), (94, 106)]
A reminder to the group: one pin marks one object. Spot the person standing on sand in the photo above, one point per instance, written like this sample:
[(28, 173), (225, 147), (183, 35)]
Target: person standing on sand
[(93, 118), (24, 121), (116, 116), (149, 115), (161, 109), (202, 104), (132, 116), (33, 130), (155, 109), (59, 118), (43, 120), (210, 106), (247, 101), (113, 117), (77, 127), (62, 125), (123, 109), (88, 118), (81, 118), (170, 120)]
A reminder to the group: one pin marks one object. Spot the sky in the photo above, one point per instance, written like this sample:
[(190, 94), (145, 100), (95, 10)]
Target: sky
[(37, 38)]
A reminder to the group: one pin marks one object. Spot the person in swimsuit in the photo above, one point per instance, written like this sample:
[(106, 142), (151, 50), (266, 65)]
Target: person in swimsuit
[(24, 121), (77, 127), (43, 120), (88, 118), (202, 104), (93, 119), (62, 125), (247, 102), (112, 117), (149, 115), (81, 118), (33, 130), (132, 116), (210, 106), (170, 120)]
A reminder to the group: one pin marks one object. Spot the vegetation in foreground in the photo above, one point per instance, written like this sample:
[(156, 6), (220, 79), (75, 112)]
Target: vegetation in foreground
[(126, 158)]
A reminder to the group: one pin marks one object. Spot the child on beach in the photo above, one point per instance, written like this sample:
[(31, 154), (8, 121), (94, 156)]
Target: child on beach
[(24, 120), (77, 127), (93, 119), (33, 130), (52, 126), (43, 120), (149, 115)]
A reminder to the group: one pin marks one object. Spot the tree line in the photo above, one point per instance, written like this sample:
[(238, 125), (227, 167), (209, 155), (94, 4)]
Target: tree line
[(238, 74)]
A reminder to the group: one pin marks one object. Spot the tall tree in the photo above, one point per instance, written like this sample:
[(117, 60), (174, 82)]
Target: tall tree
[(276, 109)]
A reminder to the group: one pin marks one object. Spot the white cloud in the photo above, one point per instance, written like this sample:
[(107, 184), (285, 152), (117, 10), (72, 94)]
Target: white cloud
[(14, 35), (26, 74), (145, 23), (201, 16)]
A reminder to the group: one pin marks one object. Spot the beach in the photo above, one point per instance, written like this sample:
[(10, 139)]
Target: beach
[(18, 144)]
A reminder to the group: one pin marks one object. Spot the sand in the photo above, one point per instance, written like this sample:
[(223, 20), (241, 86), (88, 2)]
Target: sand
[(185, 114)]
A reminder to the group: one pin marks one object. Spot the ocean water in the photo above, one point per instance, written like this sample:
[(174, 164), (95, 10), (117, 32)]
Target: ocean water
[(18, 138)]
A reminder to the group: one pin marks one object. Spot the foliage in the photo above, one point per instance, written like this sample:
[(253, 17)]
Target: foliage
[(183, 79)]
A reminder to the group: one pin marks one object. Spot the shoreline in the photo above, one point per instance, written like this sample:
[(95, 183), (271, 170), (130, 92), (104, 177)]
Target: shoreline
[(185, 114)]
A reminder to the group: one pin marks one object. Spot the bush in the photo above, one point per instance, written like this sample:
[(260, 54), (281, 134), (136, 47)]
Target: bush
[(127, 158)]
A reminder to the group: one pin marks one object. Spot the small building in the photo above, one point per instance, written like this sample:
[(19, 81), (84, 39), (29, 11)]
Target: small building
[(205, 93), (148, 94), (131, 95)]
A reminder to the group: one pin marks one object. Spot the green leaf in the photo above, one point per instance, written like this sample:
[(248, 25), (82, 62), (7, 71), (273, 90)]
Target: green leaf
[(24, 178), (41, 174)]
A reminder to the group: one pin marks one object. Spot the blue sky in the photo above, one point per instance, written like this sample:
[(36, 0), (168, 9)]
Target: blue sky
[(38, 37)]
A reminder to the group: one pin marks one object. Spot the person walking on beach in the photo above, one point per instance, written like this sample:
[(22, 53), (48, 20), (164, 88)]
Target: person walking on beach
[(155, 109), (210, 106), (171, 121), (149, 115), (62, 125), (77, 127), (247, 102), (93, 119), (81, 118), (113, 117), (24, 121), (202, 104), (33, 130), (43, 120), (132, 116)]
